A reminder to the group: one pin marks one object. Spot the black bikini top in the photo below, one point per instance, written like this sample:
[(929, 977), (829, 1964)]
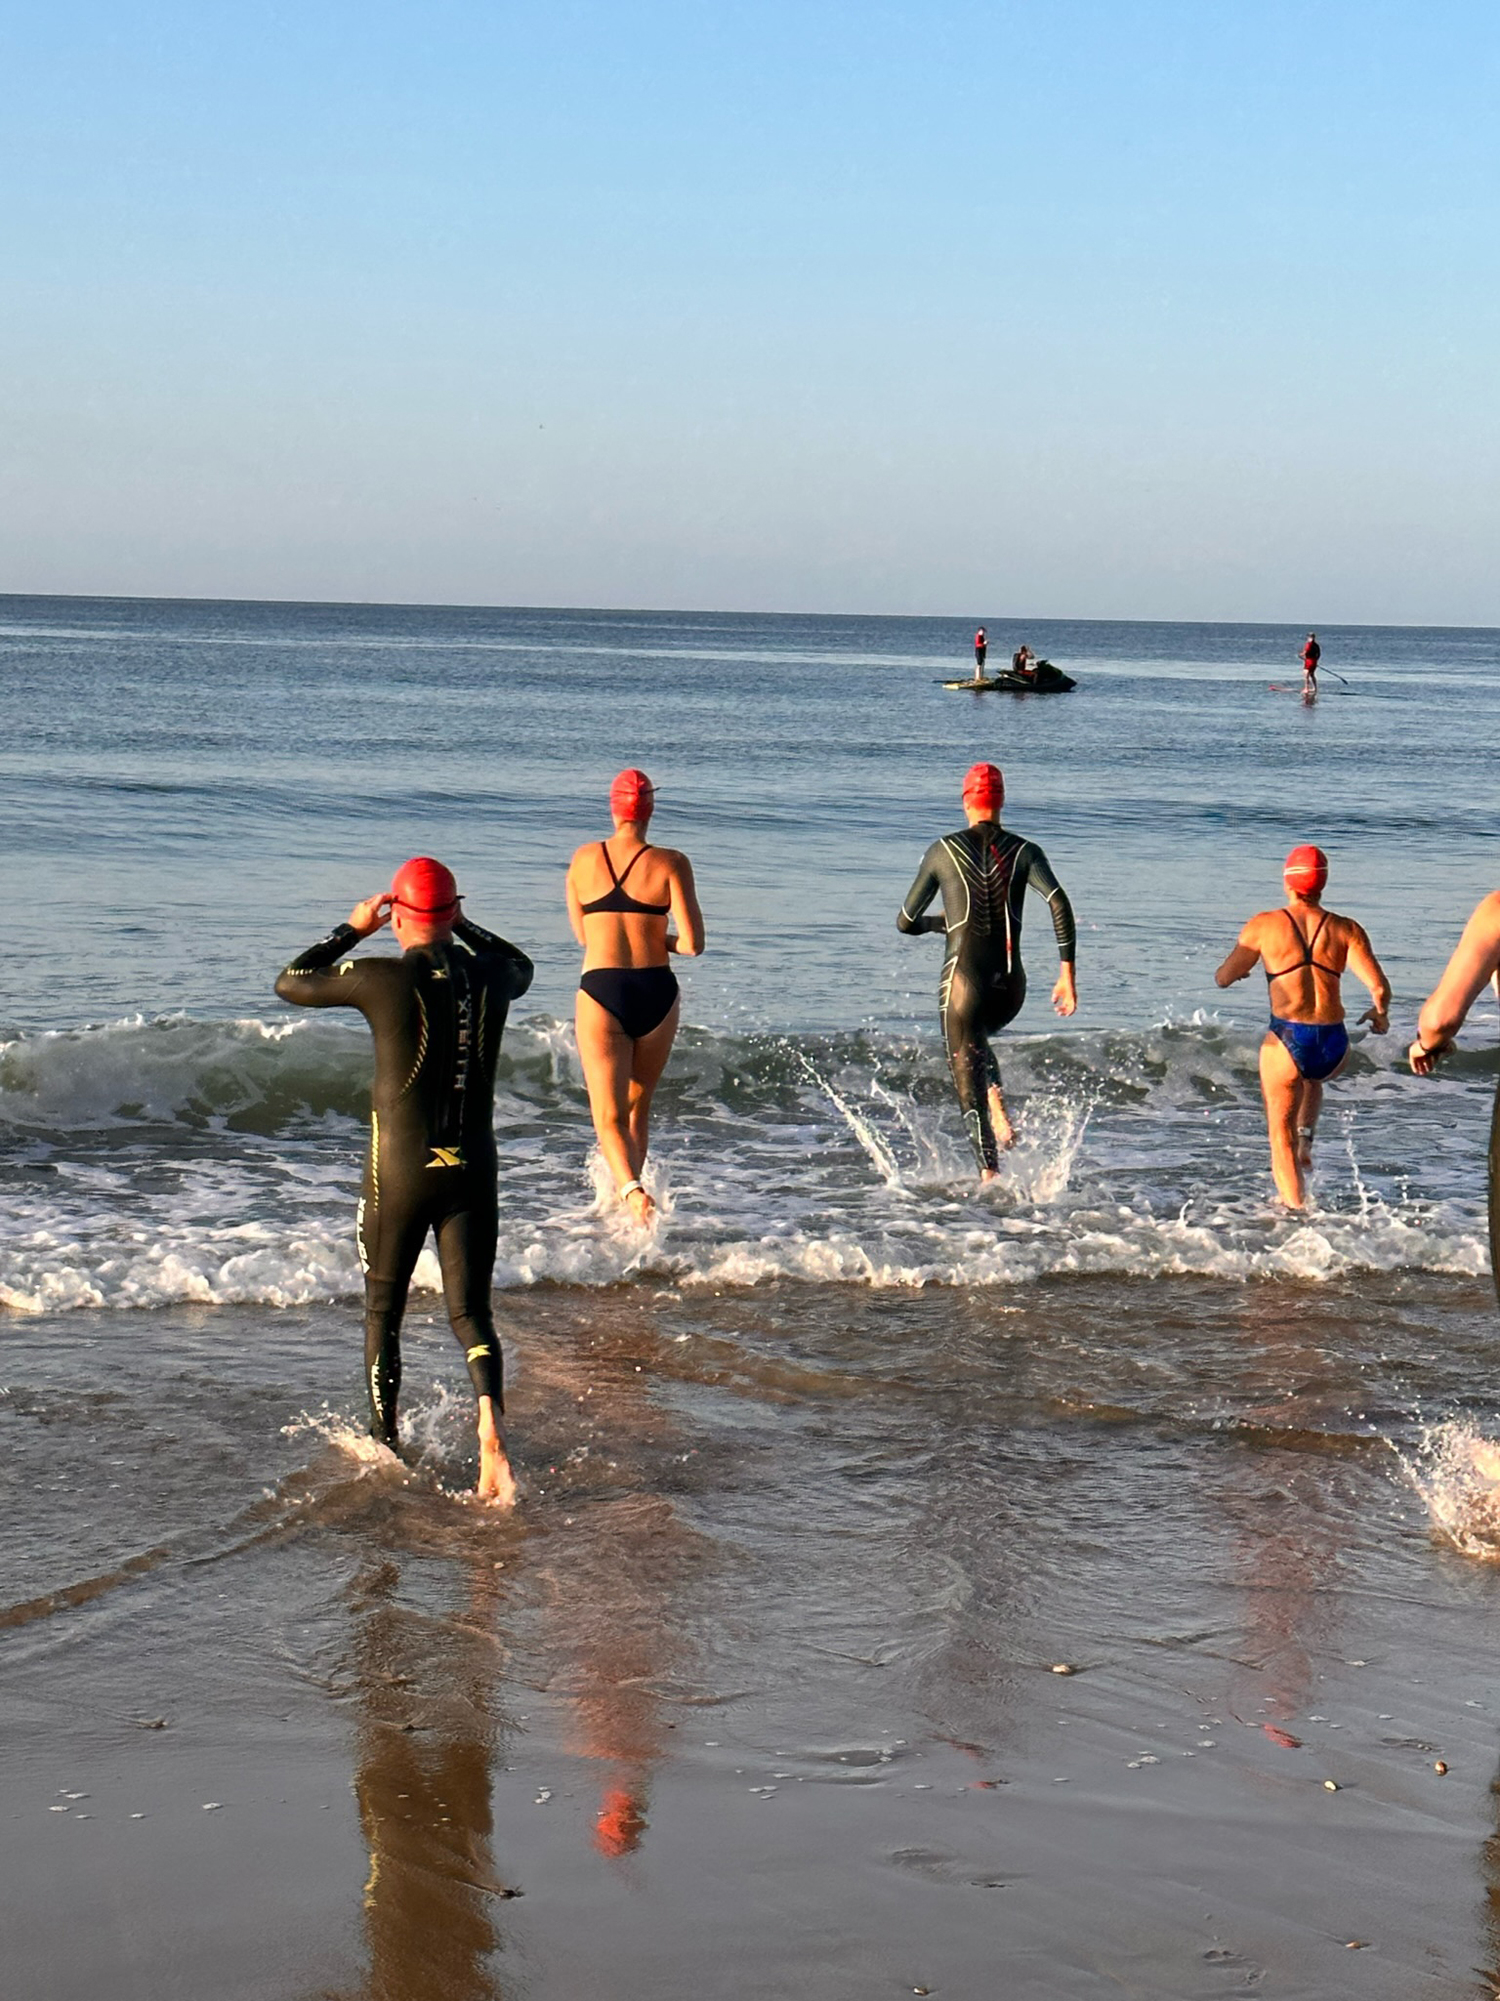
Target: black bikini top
[(619, 899), (1307, 958)]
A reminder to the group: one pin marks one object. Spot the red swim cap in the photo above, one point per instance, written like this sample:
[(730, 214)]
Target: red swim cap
[(632, 796), (984, 786), (1306, 871), (424, 888)]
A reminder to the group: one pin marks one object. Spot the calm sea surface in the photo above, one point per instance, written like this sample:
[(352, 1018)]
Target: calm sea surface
[(1117, 1408)]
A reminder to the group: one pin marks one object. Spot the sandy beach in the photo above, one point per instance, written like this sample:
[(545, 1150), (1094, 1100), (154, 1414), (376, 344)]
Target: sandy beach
[(757, 1695)]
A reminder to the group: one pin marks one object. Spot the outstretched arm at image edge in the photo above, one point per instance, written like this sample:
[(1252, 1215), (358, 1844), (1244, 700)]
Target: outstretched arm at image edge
[(1474, 960)]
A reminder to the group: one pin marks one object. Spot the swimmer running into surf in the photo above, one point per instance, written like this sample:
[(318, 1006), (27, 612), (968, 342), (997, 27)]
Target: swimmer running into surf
[(436, 1014), (984, 872), (628, 1000), (1305, 951)]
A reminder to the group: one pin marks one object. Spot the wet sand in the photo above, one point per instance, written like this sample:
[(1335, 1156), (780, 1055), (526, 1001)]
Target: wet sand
[(755, 1696)]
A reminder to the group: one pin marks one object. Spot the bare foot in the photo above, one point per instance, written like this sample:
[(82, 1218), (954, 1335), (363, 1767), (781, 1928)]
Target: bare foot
[(640, 1205), (1005, 1132), (496, 1481), (1304, 1146), (987, 1175)]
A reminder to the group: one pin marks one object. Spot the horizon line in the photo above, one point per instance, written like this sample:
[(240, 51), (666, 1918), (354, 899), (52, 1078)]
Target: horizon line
[(700, 611)]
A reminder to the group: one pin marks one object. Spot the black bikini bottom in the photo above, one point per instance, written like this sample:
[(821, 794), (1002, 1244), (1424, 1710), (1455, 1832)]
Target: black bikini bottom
[(639, 997)]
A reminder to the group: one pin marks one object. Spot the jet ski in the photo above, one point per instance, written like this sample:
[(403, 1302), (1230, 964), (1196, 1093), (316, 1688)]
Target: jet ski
[(1045, 680)]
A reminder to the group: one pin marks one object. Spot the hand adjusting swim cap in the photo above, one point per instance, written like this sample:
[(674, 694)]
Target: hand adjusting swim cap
[(984, 787), (1306, 871), (424, 888), (632, 796)]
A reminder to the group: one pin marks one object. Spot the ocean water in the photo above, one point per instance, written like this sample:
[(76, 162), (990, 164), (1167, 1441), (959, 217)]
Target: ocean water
[(192, 793), (826, 1474)]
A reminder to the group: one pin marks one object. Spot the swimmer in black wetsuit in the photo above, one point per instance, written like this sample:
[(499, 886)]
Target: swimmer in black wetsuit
[(436, 1014), (984, 873)]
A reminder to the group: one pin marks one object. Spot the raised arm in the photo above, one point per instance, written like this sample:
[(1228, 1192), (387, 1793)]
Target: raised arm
[(1446, 1008), (688, 939), (1365, 966), (1243, 959), (314, 980), (488, 945), (909, 917)]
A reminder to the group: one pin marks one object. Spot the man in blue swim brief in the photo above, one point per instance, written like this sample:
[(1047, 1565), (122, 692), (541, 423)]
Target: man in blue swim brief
[(1305, 951)]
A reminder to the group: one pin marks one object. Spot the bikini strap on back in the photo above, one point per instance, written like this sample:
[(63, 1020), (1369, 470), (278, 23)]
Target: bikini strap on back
[(620, 879)]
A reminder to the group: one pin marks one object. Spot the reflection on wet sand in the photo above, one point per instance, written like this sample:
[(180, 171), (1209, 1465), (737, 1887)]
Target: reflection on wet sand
[(1288, 1538), (608, 1575), (575, 1606), (425, 1755)]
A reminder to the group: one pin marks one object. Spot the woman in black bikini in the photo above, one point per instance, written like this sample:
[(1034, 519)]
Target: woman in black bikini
[(627, 996)]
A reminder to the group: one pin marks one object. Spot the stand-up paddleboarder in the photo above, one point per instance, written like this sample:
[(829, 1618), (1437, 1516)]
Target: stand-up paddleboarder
[(1312, 653)]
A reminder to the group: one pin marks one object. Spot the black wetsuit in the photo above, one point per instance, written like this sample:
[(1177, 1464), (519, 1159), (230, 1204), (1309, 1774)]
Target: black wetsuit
[(436, 1014), (983, 873)]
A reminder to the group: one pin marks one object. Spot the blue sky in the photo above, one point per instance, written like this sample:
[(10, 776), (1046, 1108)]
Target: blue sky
[(1066, 308)]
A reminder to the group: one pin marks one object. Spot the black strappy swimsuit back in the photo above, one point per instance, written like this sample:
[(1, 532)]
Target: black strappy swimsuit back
[(1308, 945), (1316, 1047), (618, 899), (639, 997)]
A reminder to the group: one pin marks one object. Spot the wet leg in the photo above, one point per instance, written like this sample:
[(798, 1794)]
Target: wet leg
[(608, 1055), (649, 1059), (1005, 1134), (390, 1236), (973, 1070), (466, 1251), (1279, 1082), (1309, 1104)]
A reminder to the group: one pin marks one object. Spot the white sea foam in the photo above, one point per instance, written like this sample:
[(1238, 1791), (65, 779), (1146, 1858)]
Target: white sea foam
[(155, 1162), (1456, 1470)]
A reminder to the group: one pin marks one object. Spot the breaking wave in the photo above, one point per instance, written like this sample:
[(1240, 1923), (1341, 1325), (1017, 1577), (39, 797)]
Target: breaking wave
[(156, 1161)]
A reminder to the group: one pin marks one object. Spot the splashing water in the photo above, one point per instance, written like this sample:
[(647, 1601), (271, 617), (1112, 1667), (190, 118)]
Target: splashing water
[(880, 1155), (1456, 1470), (437, 1440)]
